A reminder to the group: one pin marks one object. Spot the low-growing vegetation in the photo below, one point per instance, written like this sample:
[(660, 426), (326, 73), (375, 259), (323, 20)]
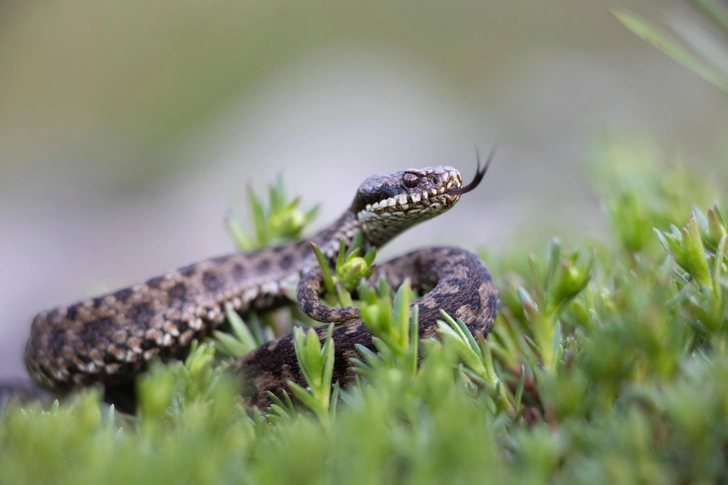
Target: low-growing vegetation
[(607, 364)]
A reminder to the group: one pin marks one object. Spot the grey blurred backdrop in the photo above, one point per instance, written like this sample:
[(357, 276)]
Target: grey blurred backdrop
[(128, 128)]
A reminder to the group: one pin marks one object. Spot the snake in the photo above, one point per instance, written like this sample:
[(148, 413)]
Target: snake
[(109, 339)]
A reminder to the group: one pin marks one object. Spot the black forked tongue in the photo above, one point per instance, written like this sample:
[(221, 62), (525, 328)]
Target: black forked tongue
[(479, 174)]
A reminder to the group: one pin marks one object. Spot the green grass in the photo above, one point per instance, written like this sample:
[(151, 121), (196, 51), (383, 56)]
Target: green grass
[(608, 364)]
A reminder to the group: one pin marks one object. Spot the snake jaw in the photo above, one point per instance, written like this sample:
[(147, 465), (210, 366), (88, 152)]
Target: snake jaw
[(386, 205), (434, 187), (420, 197)]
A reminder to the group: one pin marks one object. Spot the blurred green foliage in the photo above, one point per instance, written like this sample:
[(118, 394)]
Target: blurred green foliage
[(280, 222), (607, 364), (703, 52)]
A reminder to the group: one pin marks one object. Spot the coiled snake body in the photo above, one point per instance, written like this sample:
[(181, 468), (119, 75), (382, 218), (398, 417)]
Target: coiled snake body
[(109, 339)]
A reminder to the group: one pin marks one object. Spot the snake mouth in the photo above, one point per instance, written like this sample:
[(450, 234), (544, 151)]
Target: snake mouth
[(449, 181)]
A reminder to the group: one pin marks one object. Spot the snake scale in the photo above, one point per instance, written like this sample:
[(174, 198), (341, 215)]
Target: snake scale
[(109, 339)]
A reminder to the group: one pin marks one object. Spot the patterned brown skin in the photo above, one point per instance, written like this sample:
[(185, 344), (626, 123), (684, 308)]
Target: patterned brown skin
[(109, 339), (461, 286)]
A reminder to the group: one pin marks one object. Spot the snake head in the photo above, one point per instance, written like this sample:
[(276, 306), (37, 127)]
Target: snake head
[(387, 204)]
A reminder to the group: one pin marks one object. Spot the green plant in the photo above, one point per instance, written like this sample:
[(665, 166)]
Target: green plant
[(607, 364), (698, 50), (283, 221)]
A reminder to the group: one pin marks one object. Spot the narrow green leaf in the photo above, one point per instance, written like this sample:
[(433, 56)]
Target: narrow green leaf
[(716, 10), (554, 260), (241, 330), (240, 237), (299, 343), (720, 255), (311, 214), (230, 345), (519, 388), (343, 295), (716, 227), (402, 300), (370, 255), (414, 338), (341, 257), (286, 409), (328, 357), (384, 291), (364, 352), (293, 205), (259, 217), (278, 195), (696, 255), (304, 396), (325, 271), (314, 359), (662, 239), (356, 243), (661, 40), (334, 401)]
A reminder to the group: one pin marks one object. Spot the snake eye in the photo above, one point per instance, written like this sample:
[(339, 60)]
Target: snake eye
[(410, 180)]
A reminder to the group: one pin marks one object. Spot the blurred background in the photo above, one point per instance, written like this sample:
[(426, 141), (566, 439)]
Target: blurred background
[(127, 129)]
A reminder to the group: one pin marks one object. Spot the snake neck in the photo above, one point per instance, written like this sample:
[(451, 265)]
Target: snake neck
[(377, 233), (328, 240), (379, 229)]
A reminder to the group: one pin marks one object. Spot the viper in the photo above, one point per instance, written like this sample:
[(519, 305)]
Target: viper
[(111, 338)]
